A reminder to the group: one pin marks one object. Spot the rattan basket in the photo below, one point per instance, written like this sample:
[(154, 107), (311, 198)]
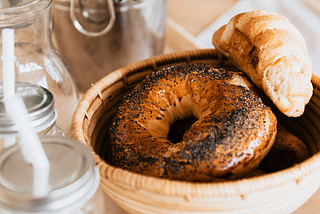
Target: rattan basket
[(280, 192)]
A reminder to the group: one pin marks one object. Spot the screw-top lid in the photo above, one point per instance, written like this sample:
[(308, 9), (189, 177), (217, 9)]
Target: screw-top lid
[(39, 103), (73, 178)]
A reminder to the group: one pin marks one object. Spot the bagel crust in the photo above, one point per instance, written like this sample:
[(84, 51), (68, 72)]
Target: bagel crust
[(234, 129)]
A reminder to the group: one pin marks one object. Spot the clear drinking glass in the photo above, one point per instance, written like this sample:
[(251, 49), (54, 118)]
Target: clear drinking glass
[(41, 113), (37, 61), (73, 180)]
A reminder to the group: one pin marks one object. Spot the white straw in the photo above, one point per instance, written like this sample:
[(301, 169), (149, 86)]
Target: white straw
[(8, 71), (8, 59), (31, 146)]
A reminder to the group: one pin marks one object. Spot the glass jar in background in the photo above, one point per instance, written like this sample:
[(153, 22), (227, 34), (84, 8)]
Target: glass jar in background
[(41, 113), (37, 61), (98, 37), (73, 180)]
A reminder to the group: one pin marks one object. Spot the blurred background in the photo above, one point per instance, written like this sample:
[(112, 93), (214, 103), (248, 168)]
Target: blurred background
[(144, 28), (191, 24)]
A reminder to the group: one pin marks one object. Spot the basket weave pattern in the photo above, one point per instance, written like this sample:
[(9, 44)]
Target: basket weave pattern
[(280, 192)]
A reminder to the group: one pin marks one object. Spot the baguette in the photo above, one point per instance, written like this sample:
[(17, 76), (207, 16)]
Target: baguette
[(273, 53)]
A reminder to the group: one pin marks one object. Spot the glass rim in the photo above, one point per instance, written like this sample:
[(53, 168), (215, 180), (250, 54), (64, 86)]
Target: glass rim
[(23, 11), (64, 196)]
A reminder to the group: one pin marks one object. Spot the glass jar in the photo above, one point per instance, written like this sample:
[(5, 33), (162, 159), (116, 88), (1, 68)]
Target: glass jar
[(37, 61), (73, 180), (98, 37), (41, 113)]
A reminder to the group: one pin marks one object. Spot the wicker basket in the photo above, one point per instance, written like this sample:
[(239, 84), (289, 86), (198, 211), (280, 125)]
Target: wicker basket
[(280, 192)]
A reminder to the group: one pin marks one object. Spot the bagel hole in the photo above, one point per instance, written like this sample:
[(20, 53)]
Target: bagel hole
[(179, 128)]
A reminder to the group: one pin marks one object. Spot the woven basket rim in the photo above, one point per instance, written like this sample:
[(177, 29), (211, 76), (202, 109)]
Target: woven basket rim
[(169, 187)]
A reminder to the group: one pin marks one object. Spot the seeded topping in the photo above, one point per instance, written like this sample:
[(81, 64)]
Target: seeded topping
[(233, 130)]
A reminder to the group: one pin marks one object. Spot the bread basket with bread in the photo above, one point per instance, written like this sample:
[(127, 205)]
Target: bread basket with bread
[(280, 191)]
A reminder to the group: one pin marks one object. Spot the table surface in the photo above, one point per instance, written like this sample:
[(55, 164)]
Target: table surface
[(192, 23)]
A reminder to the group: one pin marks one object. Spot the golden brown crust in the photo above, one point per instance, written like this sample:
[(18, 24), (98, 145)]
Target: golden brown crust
[(286, 151), (255, 173), (273, 53), (233, 132)]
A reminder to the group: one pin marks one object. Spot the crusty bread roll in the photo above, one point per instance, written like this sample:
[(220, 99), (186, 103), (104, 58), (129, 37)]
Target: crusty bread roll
[(286, 151), (273, 53), (255, 173)]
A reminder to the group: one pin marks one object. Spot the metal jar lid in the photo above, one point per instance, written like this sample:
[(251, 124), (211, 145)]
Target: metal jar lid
[(39, 103), (73, 178)]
